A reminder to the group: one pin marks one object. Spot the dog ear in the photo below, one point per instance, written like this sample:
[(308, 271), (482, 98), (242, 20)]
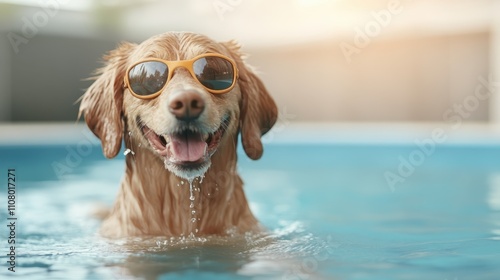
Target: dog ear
[(102, 103), (258, 112)]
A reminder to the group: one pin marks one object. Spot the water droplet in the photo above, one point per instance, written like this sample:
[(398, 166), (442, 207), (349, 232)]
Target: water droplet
[(191, 195), (192, 199), (128, 151), (196, 230), (182, 182)]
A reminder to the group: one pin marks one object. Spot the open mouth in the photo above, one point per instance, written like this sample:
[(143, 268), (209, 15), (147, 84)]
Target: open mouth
[(187, 148)]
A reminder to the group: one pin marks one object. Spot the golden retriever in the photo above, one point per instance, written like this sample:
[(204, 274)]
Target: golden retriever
[(180, 134)]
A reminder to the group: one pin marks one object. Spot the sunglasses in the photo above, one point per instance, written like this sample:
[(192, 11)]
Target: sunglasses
[(147, 78)]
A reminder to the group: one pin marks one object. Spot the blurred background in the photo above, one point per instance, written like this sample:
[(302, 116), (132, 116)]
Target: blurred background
[(322, 60)]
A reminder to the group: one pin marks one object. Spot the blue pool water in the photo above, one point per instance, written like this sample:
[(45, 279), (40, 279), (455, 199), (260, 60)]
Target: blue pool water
[(329, 208)]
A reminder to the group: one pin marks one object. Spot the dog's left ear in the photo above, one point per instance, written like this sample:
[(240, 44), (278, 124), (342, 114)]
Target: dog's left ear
[(258, 112), (102, 103)]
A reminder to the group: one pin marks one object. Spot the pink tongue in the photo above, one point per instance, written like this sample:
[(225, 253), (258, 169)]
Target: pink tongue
[(187, 147)]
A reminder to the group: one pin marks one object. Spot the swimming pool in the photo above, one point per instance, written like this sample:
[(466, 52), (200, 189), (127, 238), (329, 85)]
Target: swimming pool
[(362, 206)]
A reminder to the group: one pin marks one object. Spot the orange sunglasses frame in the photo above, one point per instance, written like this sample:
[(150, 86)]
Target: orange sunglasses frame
[(187, 64)]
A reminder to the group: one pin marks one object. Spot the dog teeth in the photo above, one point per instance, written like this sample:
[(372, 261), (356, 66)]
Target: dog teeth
[(205, 136)]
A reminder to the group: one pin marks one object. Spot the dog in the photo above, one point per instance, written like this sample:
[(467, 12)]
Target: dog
[(178, 101)]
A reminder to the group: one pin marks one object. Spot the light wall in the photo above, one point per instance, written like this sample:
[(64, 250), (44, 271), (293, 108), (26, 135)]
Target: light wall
[(398, 79)]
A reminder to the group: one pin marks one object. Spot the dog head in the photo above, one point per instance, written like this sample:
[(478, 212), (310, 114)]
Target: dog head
[(185, 124)]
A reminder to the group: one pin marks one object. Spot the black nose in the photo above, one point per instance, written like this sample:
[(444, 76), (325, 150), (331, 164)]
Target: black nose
[(186, 106)]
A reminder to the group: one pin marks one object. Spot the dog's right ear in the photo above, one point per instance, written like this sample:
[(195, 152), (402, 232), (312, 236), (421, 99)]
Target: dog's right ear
[(258, 111), (102, 103)]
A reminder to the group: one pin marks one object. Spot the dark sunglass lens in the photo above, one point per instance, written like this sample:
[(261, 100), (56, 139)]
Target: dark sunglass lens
[(147, 78), (214, 72)]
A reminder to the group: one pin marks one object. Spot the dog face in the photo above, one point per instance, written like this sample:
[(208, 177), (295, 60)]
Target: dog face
[(185, 124)]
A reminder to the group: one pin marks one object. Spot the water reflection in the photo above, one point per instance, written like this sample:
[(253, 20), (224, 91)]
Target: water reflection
[(265, 256)]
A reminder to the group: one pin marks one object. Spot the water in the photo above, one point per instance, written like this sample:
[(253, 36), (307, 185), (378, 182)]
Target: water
[(329, 210)]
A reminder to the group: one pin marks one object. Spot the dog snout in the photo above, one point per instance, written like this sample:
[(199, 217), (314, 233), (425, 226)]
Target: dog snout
[(186, 106)]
